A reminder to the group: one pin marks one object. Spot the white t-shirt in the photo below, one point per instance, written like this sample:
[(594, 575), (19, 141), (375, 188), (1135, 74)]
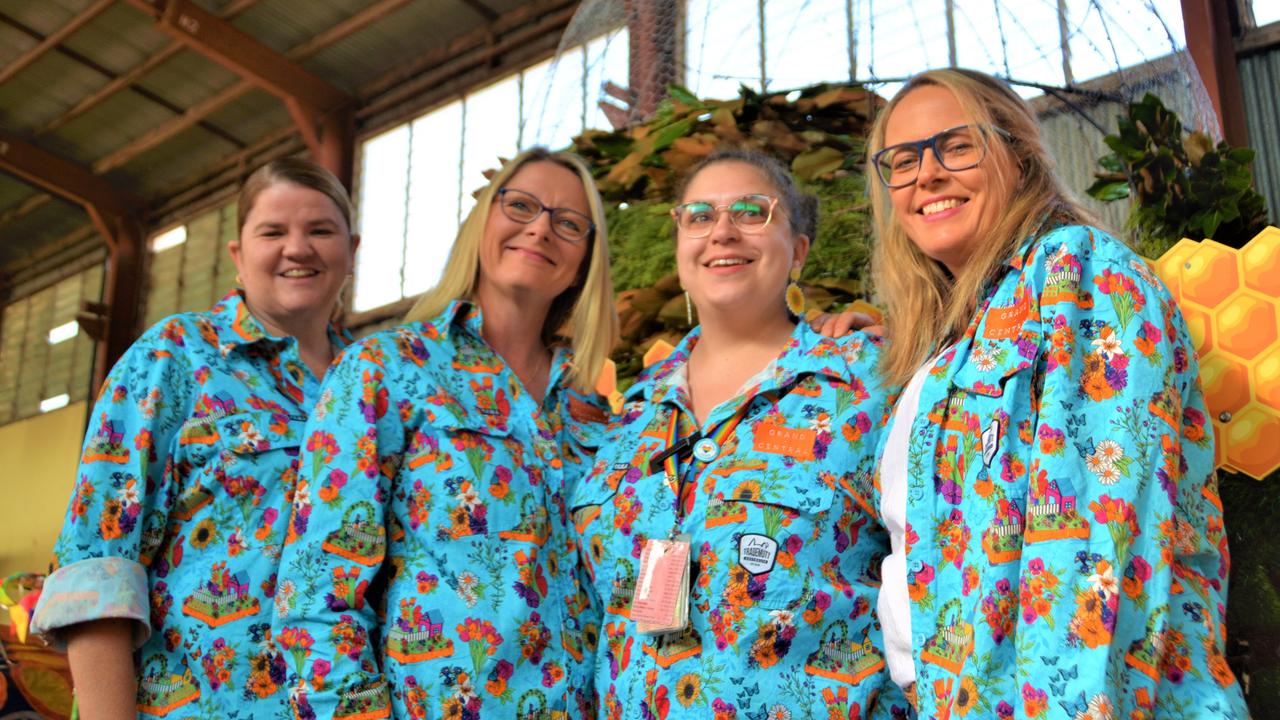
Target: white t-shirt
[(894, 604)]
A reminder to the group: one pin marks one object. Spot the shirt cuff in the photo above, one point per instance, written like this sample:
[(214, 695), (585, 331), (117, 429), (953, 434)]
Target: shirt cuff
[(93, 589)]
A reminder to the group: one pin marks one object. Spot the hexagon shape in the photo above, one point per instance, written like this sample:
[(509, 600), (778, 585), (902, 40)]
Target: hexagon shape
[(1200, 325), (607, 383), (1246, 325), (656, 352), (1169, 266), (1225, 381), (1252, 441), (1260, 262), (1266, 379), (1210, 274)]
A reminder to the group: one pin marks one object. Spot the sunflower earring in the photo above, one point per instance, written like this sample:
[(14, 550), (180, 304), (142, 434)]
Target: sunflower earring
[(795, 296)]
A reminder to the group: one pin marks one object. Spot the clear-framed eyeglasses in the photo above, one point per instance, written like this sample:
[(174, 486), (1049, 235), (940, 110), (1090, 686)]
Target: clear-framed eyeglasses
[(957, 148), (568, 225), (749, 213)]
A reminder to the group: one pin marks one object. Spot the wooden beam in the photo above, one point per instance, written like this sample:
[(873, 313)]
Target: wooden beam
[(121, 294), (132, 75), (25, 208), (480, 37), (66, 179), (1207, 24), (51, 41), (203, 109), (486, 12), (471, 50)]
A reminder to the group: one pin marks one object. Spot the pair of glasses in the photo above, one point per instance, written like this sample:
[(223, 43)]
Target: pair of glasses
[(749, 213), (957, 148), (568, 225)]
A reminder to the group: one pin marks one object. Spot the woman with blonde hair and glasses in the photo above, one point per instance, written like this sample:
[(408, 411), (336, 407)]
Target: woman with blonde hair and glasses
[(1047, 479), (439, 461)]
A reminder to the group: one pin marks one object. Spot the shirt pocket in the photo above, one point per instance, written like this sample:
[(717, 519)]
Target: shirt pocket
[(483, 480), (243, 462), (765, 531)]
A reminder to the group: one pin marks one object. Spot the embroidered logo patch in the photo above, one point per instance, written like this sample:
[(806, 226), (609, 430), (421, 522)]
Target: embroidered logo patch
[(757, 553), (1004, 323)]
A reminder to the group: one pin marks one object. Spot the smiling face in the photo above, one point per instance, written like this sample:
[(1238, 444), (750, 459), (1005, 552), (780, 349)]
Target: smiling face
[(944, 212), (527, 261), (731, 271), (295, 251)]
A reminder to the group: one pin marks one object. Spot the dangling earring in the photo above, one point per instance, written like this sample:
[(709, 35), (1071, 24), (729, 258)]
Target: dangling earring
[(795, 296), (688, 308), (239, 281)]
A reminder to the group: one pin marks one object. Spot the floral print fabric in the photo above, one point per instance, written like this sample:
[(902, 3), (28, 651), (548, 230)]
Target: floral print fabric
[(431, 571), (785, 554), (180, 511), (1066, 554)]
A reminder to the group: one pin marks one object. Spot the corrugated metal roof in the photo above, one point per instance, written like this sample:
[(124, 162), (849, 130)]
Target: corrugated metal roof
[(1260, 79)]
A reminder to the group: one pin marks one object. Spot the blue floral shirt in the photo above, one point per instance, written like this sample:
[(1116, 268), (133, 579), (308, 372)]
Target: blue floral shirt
[(433, 574), (785, 554), (180, 511), (1066, 554)]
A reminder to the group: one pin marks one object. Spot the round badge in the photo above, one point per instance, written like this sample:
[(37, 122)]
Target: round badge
[(706, 449)]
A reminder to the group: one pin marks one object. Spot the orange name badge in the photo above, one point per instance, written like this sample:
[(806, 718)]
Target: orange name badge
[(781, 440), (661, 600), (585, 412), (1003, 323)]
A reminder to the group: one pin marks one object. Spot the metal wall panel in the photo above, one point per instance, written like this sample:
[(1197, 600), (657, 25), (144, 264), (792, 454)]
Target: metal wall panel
[(1260, 78)]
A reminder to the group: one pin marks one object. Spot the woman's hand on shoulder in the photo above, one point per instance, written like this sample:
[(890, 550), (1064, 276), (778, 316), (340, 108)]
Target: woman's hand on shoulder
[(836, 325)]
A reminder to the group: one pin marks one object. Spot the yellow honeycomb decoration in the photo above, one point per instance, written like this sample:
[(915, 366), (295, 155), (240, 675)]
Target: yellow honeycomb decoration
[(1231, 300)]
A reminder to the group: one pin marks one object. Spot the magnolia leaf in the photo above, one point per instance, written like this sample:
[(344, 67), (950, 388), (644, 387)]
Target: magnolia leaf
[(1196, 144), (684, 95), (1109, 190), (817, 162)]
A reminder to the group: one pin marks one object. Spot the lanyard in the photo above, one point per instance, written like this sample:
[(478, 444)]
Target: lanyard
[(704, 449)]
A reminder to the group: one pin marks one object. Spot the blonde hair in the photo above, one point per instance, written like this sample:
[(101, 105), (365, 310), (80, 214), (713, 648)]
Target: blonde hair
[(927, 306), (587, 306)]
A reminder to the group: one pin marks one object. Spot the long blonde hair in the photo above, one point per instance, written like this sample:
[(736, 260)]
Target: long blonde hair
[(927, 306), (588, 305)]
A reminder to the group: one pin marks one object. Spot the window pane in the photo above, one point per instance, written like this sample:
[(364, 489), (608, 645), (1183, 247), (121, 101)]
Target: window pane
[(433, 197), (492, 126), (553, 101), (806, 43), (384, 181), (607, 61), (722, 48)]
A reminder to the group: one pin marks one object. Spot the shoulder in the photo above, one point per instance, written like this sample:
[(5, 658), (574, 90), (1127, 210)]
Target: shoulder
[(1080, 263)]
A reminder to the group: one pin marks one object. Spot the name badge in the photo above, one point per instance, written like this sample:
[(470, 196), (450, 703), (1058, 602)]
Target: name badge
[(1003, 323), (782, 440), (757, 553)]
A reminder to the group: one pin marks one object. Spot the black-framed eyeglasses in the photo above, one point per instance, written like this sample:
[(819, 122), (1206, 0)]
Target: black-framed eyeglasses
[(957, 148), (568, 225), (749, 213)]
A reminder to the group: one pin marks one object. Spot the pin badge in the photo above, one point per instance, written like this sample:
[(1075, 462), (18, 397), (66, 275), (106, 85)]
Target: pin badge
[(990, 442), (706, 450)]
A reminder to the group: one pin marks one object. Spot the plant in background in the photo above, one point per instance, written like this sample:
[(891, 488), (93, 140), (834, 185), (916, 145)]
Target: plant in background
[(1179, 184)]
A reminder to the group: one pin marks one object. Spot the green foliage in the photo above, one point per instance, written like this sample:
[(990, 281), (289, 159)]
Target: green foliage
[(641, 243), (1180, 184)]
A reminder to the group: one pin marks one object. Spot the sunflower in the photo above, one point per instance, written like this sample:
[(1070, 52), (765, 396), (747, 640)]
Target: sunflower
[(748, 490), (688, 689), (204, 533), (966, 697)]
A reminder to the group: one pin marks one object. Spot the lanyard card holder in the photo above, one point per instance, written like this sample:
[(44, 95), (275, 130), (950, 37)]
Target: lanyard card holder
[(661, 601)]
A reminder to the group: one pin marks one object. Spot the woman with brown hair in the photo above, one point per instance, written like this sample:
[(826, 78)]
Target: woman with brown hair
[(167, 560)]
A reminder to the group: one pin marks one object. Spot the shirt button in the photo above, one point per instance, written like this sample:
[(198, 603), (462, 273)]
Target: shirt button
[(917, 566), (918, 640)]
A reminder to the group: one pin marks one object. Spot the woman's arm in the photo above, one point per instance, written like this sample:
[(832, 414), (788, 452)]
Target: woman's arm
[(101, 656)]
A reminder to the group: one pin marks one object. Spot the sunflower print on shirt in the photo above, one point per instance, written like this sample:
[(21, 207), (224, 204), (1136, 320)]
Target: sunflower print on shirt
[(785, 552), (430, 570), (180, 511), (1066, 553)]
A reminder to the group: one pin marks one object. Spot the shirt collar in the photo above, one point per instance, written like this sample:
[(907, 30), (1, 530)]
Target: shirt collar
[(806, 352), (236, 326), (466, 315)]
